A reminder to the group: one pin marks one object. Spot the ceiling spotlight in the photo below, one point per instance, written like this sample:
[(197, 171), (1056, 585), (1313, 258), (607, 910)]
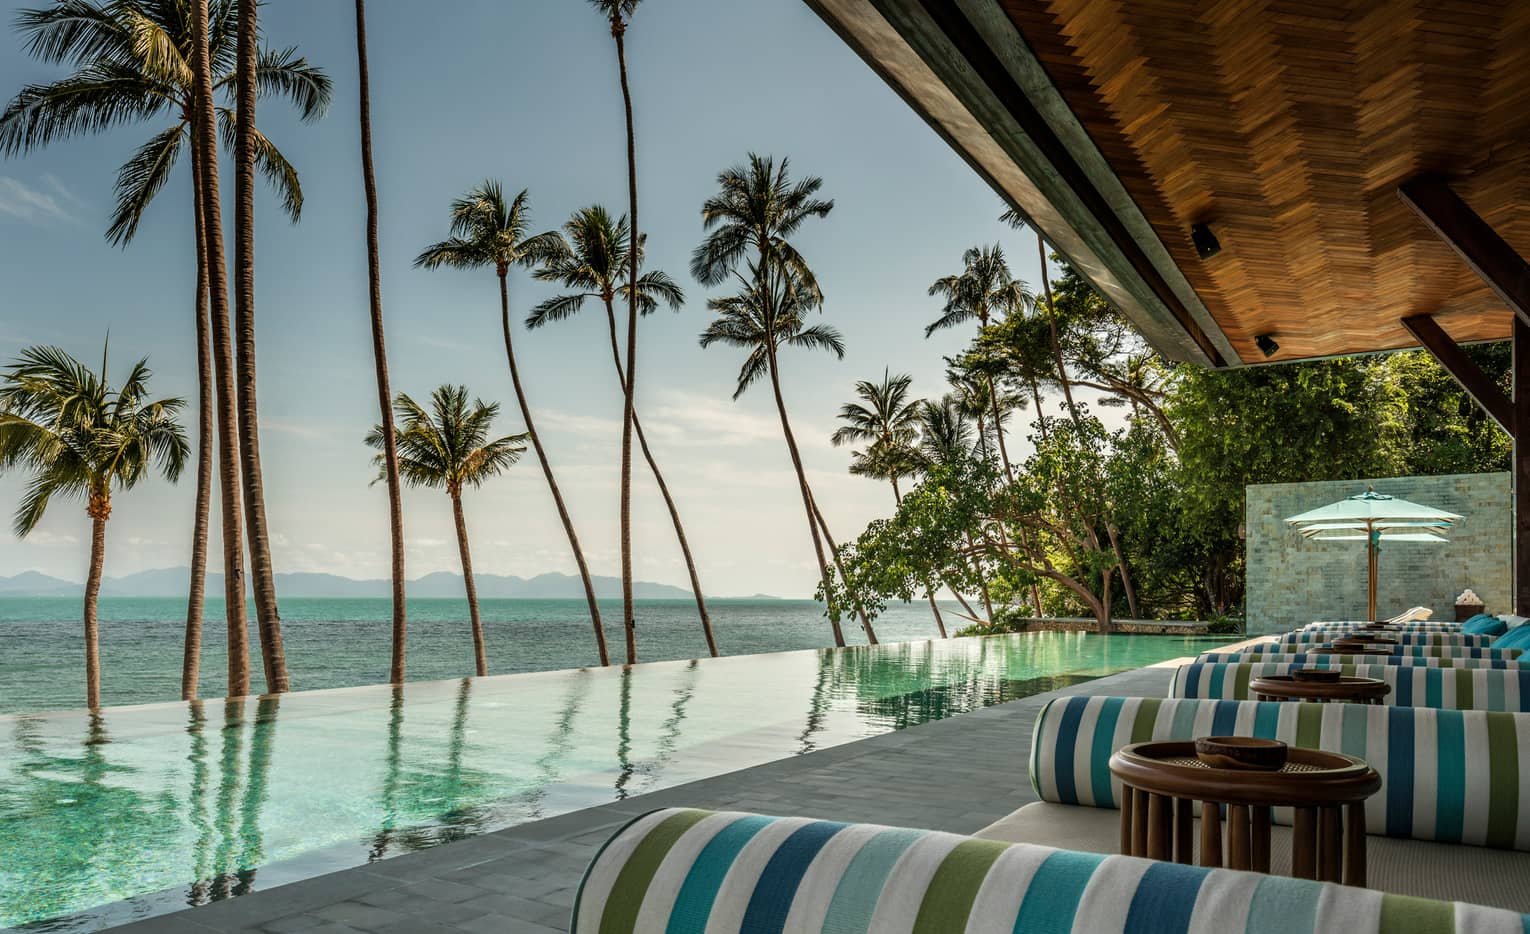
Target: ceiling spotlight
[(1206, 244), (1267, 344)]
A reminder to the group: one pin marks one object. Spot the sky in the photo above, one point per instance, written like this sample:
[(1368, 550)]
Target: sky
[(526, 93)]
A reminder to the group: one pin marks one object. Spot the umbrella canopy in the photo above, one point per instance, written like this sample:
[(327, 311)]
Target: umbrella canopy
[(1374, 517)]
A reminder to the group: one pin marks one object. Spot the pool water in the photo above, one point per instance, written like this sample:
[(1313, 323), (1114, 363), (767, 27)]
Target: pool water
[(140, 810)]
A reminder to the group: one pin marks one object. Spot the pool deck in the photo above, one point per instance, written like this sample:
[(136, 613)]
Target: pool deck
[(958, 774)]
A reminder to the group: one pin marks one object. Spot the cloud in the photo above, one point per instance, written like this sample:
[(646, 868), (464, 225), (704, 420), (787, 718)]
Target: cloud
[(22, 201)]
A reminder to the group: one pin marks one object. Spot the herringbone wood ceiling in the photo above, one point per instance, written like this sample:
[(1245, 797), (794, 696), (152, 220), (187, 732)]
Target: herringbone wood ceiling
[(1287, 126)]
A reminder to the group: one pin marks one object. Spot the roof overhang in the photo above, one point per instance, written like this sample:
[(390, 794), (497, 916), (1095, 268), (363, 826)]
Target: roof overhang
[(1115, 126)]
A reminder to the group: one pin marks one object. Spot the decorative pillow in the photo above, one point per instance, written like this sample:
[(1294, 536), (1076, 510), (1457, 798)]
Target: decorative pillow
[(1513, 621), (1485, 625), (1516, 638)]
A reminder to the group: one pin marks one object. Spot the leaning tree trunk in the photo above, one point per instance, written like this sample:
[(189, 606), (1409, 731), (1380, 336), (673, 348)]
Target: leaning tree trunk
[(205, 135), (669, 501), (839, 564), (1057, 357), (480, 654), (1126, 574), (552, 483), (380, 357), (191, 657), (940, 624), (629, 618), (807, 504), (262, 574), (99, 509)]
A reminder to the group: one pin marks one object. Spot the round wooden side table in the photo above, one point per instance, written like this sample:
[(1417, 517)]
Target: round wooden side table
[(1345, 690), (1161, 781)]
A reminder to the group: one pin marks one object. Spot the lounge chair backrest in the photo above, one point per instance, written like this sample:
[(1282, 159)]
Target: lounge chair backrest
[(1428, 790), (1412, 685), (1417, 651), (1401, 638), (1400, 627), (689, 872), (1313, 660)]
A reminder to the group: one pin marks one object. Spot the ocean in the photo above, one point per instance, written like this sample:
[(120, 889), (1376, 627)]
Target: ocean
[(336, 642)]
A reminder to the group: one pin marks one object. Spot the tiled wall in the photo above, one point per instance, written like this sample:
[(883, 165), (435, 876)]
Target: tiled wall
[(1292, 581)]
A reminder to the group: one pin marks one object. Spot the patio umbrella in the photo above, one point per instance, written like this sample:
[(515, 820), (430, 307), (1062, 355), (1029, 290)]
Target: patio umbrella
[(1374, 517)]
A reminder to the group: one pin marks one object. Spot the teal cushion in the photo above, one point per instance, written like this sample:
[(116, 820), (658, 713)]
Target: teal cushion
[(1516, 638), (1485, 625)]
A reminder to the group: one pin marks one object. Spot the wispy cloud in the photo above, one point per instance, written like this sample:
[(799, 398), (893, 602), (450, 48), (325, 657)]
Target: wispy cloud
[(35, 205)]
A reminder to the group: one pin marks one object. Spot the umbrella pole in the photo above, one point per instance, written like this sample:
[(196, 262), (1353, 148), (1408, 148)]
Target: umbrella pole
[(1371, 569)]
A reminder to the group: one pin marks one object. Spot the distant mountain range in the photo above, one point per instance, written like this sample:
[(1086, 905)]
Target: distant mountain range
[(173, 582)]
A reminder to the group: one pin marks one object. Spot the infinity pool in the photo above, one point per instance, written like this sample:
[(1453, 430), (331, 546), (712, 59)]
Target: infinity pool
[(140, 810)]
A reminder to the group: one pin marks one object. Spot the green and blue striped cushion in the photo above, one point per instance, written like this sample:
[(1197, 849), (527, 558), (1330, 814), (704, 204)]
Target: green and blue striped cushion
[(1402, 638), (1396, 627), (703, 872), (1313, 660), (1412, 685), (1417, 651), (1428, 793)]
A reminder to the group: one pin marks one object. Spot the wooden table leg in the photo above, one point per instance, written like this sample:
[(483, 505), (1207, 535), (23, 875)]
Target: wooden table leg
[(1304, 843), (1237, 837), (1128, 795), (1330, 844), (1211, 834), (1259, 839), (1184, 833), (1139, 822), (1354, 845), (1160, 826)]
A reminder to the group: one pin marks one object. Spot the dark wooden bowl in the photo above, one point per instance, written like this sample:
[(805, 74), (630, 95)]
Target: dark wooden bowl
[(1241, 752), (1370, 637), (1317, 675)]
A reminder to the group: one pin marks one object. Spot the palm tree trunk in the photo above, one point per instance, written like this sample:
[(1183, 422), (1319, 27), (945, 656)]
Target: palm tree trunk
[(669, 501), (552, 483), (807, 503), (998, 430), (264, 576), (99, 509), (480, 654), (380, 357), (191, 659), (1126, 575), (860, 611), (223, 359), (629, 618)]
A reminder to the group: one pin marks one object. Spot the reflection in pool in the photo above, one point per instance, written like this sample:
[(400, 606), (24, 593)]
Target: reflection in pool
[(138, 810)]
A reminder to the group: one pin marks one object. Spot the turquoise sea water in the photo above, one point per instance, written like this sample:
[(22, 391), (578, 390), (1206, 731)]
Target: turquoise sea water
[(135, 811), (345, 642)]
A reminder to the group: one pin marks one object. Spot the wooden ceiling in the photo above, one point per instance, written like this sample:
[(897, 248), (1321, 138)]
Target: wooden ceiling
[(1287, 127)]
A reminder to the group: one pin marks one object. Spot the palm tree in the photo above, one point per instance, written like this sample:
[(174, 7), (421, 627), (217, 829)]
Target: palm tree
[(490, 232), (1017, 220), (756, 209), (595, 254), (763, 321), (135, 62), (79, 438), (619, 14), (886, 421), (380, 355), (267, 615), (945, 441), (984, 288), (448, 448)]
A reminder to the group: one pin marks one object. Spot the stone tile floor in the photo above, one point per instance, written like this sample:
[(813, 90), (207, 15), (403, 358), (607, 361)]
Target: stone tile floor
[(959, 775)]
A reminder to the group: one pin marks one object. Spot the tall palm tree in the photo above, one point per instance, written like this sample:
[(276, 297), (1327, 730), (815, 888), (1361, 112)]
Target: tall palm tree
[(946, 440), (755, 211), (765, 317), (983, 289), (1018, 221), (448, 448), (134, 63), (267, 615), (489, 231), (380, 356), (597, 252), (79, 438), (619, 13), (886, 421)]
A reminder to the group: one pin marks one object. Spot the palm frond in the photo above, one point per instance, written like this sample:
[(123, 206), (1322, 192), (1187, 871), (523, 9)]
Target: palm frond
[(269, 160), (556, 308), (74, 31), (97, 98), (140, 179), (284, 72), (456, 253)]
